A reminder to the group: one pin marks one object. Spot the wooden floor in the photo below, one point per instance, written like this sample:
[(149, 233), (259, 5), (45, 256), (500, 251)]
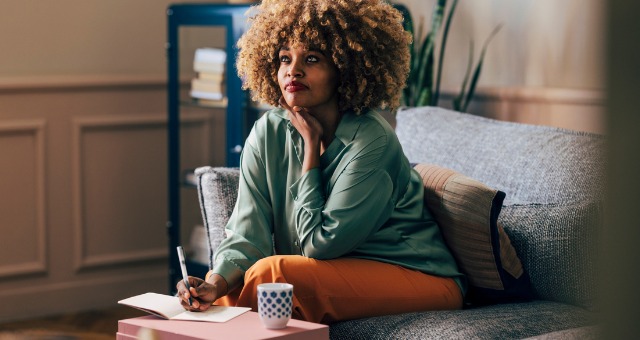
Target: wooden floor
[(91, 325)]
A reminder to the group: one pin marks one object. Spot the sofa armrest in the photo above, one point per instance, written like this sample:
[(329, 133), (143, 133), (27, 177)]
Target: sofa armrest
[(217, 194)]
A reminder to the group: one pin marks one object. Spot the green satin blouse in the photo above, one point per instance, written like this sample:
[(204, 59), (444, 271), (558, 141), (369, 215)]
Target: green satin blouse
[(363, 201)]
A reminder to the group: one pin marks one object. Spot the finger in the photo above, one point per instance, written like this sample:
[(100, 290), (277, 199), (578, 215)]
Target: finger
[(284, 104), (206, 292), (185, 304), (295, 118), (204, 307), (194, 281), (180, 286), (191, 308), (195, 304), (184, 297), (194, 292), (183, 293), (301, 113)]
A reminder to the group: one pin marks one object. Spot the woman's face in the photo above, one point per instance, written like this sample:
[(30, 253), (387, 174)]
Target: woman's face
[(308, 78)]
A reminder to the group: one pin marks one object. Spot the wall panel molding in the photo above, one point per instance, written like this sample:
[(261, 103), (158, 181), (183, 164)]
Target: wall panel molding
[(543, 94), (576, 109), (83, 127), (83, 82), (36, 129), (86, 82)]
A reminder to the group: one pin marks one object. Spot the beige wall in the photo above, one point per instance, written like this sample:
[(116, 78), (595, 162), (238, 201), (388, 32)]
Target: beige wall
[(543, 43), (82, 130), (79, 37), (545, 66)]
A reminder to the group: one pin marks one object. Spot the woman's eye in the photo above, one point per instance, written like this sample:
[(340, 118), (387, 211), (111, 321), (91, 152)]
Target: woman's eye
[(312, 59), (284, 59)]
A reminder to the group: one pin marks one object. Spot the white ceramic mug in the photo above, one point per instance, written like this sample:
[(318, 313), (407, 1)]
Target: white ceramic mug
[(275, 301)]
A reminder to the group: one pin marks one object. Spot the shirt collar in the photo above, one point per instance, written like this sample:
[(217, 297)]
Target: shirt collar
[(348, 127), (280, 112)]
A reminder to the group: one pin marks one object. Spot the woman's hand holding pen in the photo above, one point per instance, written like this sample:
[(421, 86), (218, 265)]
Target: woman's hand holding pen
[(202, 293)]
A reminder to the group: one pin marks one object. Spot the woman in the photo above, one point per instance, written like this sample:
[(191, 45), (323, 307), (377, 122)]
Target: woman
[(324, 183)]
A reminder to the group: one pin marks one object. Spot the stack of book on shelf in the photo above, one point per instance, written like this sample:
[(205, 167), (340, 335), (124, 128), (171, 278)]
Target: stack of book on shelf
[(207, 88)]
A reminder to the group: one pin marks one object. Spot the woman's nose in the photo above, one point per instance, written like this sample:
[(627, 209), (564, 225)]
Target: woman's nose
[(295, 70)]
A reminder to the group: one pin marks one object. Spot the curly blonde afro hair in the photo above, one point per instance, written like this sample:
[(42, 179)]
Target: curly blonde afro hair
[(365, 39)]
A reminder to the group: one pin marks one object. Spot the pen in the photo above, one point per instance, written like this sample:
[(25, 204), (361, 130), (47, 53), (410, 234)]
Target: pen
[(183, 267)]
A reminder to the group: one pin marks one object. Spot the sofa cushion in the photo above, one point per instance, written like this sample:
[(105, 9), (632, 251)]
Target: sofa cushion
[(531, 163), (217, 193), (503, 321), (558, 244), (467, 212)]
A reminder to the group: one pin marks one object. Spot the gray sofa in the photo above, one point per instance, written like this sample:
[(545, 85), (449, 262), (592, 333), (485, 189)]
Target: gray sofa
[(553, 181)]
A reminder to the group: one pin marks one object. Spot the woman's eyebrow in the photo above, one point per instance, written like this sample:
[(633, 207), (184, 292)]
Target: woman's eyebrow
[(317, 50)]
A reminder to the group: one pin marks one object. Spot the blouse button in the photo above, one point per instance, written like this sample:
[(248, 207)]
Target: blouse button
[(296, 244)]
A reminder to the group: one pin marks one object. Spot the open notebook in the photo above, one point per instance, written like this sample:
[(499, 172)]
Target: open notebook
[(168, 307)]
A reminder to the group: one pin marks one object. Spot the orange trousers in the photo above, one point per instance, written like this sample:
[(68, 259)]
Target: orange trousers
[(327, 291)]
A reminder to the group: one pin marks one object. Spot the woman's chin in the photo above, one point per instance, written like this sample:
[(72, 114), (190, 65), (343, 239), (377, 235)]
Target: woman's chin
[(295, 99), (295, 103)]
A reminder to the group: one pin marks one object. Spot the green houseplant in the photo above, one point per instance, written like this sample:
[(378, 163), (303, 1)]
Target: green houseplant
[(423, 84)]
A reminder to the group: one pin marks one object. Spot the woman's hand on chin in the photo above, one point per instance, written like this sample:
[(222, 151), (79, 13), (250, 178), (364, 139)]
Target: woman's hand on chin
[(305, 123)]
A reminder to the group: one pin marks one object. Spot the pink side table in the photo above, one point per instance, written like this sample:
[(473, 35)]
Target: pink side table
[(246, 327)]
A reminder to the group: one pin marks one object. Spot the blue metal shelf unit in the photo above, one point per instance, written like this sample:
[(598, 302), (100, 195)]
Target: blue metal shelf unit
[(238, 114)]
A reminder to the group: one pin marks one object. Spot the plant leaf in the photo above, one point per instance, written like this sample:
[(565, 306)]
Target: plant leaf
[(478, 70), (443, 44), (424, 69), (425, 58), (424, 97), (438, 14), (458, 101), (408, 26)]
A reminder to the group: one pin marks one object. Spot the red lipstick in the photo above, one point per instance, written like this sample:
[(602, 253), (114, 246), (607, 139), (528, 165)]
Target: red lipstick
[(294, 86)]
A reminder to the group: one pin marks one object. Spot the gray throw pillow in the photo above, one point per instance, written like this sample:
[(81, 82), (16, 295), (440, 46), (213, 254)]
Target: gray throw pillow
[(559, 248)]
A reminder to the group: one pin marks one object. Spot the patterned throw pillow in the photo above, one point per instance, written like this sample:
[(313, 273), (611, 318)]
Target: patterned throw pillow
[(467, 213)]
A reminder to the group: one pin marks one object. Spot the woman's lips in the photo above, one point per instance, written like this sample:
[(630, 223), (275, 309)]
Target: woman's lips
[(295, 86)]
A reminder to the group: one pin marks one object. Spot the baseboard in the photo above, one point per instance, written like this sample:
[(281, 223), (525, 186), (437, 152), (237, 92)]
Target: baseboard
[(39, 300)]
